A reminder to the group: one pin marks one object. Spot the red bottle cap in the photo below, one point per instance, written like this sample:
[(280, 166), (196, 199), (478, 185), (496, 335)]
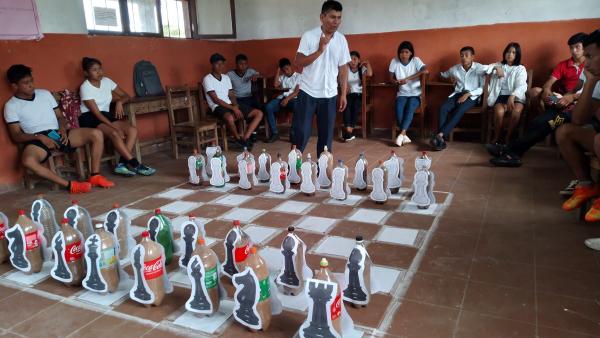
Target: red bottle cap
[(145, 234), (65, 221), (21, 212), (191, 215), (157, 211), (74, 202), (236, 223), (253, 250), (201, 241), (116, 206)]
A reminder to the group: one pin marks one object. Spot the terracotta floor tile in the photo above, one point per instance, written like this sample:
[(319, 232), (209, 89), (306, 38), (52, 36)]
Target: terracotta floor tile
[(55, 287), (390, 205), (255, 191), (459, 225), (372, 314), (162, 333), (408, 220), (546, 332), (500, 301), (474, 325), (150, 203), (110, 326), (396, 256), (437, 289), (262, 203), (503, 273), (422, 320), (29, 306), (581, 315), (171, 302), (56, 321), (318, 197), (568, 283), (351, 229), (202, 196), (284, 325), (275, 219), (7, 292), (565, 253), (210, 210), (217, 228), (309, 238), (331, 211), (503, 246)]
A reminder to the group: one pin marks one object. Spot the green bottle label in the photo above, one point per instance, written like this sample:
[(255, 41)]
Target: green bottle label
[(298, 163), (164, 238), (198, 164), (265, 291), (210, 278)]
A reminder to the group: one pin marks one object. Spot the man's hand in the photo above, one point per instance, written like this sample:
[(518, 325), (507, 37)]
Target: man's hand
[(284, 102), (47, 142), (254, 77), (463, 97), (511, 103), (566, 100), (452, 79), (546, 93), (237, 112), (119, 112), (343, 103), (323, 42), (64, 138)]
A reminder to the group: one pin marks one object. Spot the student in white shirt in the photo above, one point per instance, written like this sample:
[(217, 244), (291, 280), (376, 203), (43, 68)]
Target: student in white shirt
[(97, 92), (289, 80), (323, 54), (35, 120), (468, 79), (356, 69), (222, 101), (507, 89), (405, 70)]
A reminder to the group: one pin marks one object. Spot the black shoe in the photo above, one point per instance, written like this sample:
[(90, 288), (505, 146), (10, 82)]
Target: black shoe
[(433, 142), (253, 137), (248, 144), (442, 143), (506, 160), (347, 137), (273, 138), (437, 142), (496, 149), (238, 144)]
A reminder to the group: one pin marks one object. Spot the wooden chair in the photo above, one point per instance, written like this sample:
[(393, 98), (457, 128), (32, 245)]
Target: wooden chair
[(481, 110), (490, 123), (61, 164), (268, 95), (192, 130), (419, 113)]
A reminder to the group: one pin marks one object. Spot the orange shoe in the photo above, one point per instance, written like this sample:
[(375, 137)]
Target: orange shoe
[(593, 215), (100, 181), (580, 196), (80, 187)]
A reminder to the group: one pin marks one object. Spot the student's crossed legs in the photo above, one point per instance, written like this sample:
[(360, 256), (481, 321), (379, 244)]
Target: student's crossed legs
[(500, 110)]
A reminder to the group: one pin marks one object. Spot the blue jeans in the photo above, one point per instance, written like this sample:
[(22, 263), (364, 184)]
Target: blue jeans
[(305, 109), (456, 110), (272, 108), (405, 110)]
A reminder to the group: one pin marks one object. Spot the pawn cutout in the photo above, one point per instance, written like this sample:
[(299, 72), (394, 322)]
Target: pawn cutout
[(264, 167), (360, 173), (423, 183), (295, 165), (80, 219), (197, 168), (43, 213), (381, 192), (119, 224), (325, 168), (309, 170), (340, 189)]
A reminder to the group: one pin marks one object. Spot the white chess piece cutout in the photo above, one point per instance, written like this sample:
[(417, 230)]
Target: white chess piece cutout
[(423, 200), (360, 173), (275, 185), (244, 182), (210, 153), (264, 166), (217, 179), (325, 168), (294, 158), (197, 168), (340, 190), (420, 196), (380, 193), (393, 173)]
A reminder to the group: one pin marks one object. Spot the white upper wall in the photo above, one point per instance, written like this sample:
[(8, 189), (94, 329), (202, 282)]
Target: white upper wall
[(268, 19), (62, 16)]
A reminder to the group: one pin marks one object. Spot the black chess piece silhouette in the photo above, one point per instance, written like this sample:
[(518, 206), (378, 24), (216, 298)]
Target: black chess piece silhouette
[(320, 294), (229, 265), (35, 211), (138, 268), (17, 249), (246, 298), (111, 222), (354, 290), (61, 270), (153, 227), (199, 298), (94, 282), (71, 217), (189, 230), (289, 273)]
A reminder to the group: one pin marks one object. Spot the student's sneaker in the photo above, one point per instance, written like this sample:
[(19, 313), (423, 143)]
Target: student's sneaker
[(406, 140), (273, 138), (80, 187), (581, 195), (253, 137), (593, 215), (400, 140), (593, 243), (495, 149), (121, 169), (347, 137), (506, 160), (100, 181), (569, 189), (437, 142), (144, 170)]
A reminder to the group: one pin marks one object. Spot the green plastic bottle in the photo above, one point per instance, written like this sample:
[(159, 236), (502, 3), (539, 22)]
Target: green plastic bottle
[(164, 236)]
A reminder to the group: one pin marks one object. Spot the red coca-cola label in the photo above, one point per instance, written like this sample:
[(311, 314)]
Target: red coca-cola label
[(31, 241), (2, 231), (153, 269), (336, 308), (74, 252), (241, 253)]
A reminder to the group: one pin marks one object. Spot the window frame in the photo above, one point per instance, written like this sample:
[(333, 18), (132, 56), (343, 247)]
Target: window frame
[(194, 23), (126, 24)]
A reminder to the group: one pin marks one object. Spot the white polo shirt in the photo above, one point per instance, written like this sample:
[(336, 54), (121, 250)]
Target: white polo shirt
[(102, 95), (32, 115), (413, 87), (355, 80), (471, 80), (319, 79), (289, 82), (220, 87)]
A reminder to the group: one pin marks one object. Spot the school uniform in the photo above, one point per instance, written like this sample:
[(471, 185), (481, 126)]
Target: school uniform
[(354, 96), (221, 87), (408, 97), (273, 107), (102, 96), (242, 87)]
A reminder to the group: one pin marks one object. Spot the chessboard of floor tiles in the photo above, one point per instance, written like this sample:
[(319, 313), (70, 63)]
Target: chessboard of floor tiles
[(394, 233)]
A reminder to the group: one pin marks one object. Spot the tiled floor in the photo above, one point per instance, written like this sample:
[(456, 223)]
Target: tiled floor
[(504, 260)]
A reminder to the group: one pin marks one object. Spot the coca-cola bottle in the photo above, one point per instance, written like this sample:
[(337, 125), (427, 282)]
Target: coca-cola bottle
[(109, 264), (336, 306), (209, 259), (33, 243), (258, 265), (237, 246), (154, 272), (73, 252)]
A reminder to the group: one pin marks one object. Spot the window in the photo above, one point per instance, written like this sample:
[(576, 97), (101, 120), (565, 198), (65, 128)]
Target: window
[(130, 17), (103, 15), (143, 16), (213, 19), (175, 18)]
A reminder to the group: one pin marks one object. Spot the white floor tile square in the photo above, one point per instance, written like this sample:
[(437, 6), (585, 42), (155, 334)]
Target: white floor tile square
[(32, 279), (232, 200), (242, 214), (335, 246), (179, 207), (178, 221), (412, 208), (228, 187), (259, 234), (180, 277), (368, 216), (298, 303), (396, 235), (131, 213), (294, 207), (386, 277), (287, 194), (175, 194), (210, 324), (316, 224), (106, 299), (137, 230), (273, 258), (352, 200)]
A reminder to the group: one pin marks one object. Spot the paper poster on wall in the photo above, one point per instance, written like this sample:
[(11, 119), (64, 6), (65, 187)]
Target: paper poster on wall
[(20, 20), (105, 16)]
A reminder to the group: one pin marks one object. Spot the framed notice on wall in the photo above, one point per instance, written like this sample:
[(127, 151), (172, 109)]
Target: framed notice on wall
[(19, 20)]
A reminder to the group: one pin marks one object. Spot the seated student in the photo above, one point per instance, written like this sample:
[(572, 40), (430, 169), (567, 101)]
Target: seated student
[(468, 86), (575, 138), (356, 69), (290, 80), (97, 92), (564, 78), (34, 119), (405, 70), (507, 89), (222, 102), (241, 79)]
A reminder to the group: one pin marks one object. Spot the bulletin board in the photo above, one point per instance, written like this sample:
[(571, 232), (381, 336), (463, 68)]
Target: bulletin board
[(20, 20)]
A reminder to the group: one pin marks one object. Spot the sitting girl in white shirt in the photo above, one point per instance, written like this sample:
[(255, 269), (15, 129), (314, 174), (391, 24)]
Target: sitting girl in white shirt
[(356, 69)]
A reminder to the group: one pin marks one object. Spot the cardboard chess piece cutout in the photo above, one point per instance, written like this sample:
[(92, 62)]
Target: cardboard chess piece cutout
[(151, 280), (69, 264), (295, 164), (210, 153), (218, 175), (380, 192), (358, 275), (247, 169), (423, 183), (237, 247), (42, 212), (264, 167), (279, 177), (161, 231), (25, 245), (101, 259), (294, 270), (189, 235), (4, 225), (325, 168), (197, 168), (203, 271), (309, 184), (360, 173), (394, 167), (340, 189), (119, 224), (80, 219)]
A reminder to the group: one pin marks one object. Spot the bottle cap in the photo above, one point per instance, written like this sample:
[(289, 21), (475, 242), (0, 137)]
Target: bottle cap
[(74, 202), (201, 241), (145, 234), (359, 238), (64, 221), (195, 151), (291, 229), (264, 150), (21, 212), (191, 216), (324, 263), (116, 206), (40, 196), (157, 211), (236, 223), (99, 226), (253, 250)]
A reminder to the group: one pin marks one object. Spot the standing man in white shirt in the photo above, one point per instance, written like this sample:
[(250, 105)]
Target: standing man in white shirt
[(323, 53)]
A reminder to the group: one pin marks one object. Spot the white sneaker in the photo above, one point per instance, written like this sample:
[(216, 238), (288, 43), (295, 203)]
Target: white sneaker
[(400, 140), (406, 140), (593, 243)]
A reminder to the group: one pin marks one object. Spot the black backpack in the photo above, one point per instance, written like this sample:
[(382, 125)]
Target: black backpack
[(145, 79)]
